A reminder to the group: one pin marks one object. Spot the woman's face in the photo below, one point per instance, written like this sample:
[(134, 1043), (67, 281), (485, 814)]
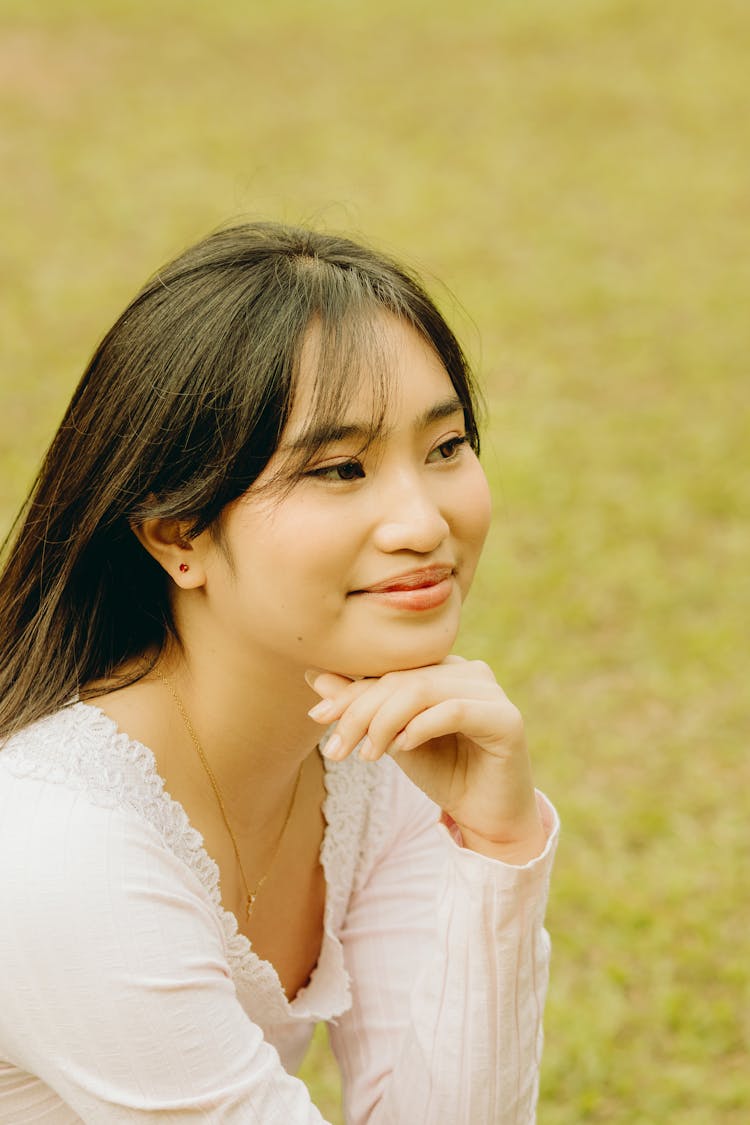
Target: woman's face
[(361, 566)]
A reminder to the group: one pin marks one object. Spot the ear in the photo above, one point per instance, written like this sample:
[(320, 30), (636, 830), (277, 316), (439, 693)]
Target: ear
[(167, 542)]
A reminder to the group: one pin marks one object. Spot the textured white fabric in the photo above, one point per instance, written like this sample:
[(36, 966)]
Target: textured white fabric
[(128, 995)]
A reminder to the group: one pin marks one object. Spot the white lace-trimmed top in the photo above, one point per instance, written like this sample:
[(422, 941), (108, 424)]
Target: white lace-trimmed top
[(128, 994)]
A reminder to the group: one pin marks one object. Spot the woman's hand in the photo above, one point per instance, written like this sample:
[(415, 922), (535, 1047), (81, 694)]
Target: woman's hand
[(453, 731)]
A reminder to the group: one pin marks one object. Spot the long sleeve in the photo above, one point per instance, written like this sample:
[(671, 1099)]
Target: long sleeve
[(118, 1002), (116, 991), (449, 960)]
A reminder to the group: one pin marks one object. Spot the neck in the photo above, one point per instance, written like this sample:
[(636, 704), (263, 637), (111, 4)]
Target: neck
[(251, 721)]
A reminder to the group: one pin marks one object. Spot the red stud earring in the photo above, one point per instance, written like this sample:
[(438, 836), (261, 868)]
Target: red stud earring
[(183, 568)]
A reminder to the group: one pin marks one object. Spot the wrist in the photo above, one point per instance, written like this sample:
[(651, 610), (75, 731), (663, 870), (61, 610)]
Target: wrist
[(518, 846)]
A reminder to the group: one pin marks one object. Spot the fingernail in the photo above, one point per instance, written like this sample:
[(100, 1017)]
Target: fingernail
[(398, 744), (332, 747), (323, 711)]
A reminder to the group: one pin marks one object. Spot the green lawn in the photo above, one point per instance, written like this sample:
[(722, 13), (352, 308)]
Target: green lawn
[(577, 174)]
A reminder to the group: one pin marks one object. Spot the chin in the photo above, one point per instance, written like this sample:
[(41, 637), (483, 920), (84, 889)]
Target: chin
[(373, 664)]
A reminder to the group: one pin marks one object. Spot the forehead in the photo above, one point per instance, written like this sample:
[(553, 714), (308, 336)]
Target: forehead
[(378, 370)]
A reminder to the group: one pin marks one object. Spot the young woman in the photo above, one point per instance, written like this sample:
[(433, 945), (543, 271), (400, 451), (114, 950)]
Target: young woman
[(245, 784)]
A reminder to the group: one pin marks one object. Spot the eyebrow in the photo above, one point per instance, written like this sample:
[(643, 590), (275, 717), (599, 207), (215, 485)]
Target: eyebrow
[(328, 434)]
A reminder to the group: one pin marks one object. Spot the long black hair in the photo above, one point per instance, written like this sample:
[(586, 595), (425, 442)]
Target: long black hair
[(178, 412)]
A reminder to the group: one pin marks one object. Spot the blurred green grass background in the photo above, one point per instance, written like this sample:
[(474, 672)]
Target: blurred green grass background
[(577, 174)]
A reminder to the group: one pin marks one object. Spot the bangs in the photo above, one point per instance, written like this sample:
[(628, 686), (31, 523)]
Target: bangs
[(339, 360), (344, 353), (299, 328)]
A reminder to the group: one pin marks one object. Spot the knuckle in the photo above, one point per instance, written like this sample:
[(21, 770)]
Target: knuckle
[(513, 719), (482, 670), (454, 712), (482, 666), (353, 717)]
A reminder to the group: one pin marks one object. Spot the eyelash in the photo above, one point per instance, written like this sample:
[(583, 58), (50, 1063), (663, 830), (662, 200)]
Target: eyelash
[(325, 472), (453, 444), (333, 472)]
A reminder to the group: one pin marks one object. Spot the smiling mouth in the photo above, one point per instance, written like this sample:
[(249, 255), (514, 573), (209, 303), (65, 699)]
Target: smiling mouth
[(413, 580)]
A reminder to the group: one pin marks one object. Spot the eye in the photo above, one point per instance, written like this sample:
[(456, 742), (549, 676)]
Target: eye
[(447, 450), (341, 471)]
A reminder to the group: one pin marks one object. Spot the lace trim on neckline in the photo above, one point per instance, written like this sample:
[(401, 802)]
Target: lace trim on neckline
[(83, 747)]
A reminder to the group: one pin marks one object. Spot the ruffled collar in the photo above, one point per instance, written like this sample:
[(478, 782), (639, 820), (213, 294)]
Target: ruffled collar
[(81, 747)]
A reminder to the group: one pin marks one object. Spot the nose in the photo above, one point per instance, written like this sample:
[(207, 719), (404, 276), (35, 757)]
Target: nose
[(410, 519)]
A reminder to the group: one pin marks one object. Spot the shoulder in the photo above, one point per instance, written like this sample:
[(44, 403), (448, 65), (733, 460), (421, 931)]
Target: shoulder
[(83, 813), (91, 893), (80, 749)]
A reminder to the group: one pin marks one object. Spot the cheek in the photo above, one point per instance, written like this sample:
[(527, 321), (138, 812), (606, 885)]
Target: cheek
[(471, 527), (284, 540), (306, 559), (476, 511)]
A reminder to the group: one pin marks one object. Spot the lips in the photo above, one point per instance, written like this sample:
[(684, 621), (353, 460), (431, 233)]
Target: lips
[(411, 580)]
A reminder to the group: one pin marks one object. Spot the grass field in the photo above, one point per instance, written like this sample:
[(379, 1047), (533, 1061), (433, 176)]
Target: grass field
[(578, 175)]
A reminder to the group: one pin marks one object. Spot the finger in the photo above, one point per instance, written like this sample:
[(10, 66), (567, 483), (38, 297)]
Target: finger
[(378, 716), (387, 716), (493, 724), (354, 712), (372, 712), (324, 682), (341, 697), (337, 692), (330, 684)]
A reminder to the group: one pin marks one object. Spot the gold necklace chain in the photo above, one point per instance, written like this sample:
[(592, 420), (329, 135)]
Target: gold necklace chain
[(250, 895)]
